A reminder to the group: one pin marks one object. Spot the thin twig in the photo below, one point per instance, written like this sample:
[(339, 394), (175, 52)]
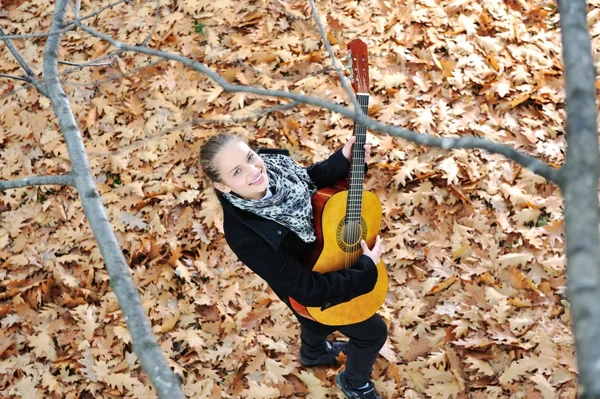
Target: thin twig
[(14, 77), (156, 19), (77, 8), (17, 55), (35, 35), (288, 78), (137, 144), (86, 65), (63, 73), (113, 77), (97, 12), (341, 75), (58, 180), (31, 78)]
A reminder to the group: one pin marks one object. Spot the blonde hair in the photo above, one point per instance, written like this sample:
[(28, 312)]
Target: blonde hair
[(209, 151)]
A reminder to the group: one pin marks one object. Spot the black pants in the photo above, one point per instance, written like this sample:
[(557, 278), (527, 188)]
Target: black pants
[(366, 339)]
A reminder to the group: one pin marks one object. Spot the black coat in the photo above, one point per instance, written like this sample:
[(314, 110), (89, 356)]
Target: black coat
[(274, 252)]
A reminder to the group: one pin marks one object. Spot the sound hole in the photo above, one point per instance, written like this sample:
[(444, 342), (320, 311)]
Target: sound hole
[(349, 234), (352, 232)]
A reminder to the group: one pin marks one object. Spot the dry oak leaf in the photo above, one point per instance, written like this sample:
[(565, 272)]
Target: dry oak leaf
[(260, 391), (518, 369), (451, 170), (409, 169), (25, 388), (446, 389), (275, 371), (516, 259), (277, 346), (132, 221), (542, 384), (50, 382), (43, 345), (188, 196), (314, 385), (86, 315), (481, 366), (121, 381)]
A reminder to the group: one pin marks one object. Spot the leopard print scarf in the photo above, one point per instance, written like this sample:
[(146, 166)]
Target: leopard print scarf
[(290, 205)]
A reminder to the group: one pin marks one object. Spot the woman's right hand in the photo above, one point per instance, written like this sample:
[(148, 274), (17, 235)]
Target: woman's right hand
[(375, 252)]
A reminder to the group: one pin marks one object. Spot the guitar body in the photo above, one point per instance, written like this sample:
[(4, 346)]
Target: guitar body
[(332, 252), (344, 215)]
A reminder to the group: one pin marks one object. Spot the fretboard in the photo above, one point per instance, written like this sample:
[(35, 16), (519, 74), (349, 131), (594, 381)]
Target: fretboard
[(357, 167)]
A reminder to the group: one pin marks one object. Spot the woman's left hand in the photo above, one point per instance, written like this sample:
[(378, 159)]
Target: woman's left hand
[(347, 150)]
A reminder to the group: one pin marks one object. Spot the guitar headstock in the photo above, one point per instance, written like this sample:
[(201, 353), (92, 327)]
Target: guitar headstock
[(359, 66)]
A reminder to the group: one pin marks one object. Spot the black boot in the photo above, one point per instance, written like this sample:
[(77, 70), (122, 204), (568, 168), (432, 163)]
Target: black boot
[(330, 352), (351, 392)]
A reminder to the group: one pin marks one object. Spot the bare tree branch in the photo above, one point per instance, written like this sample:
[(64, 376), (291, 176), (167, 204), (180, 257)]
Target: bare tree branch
[(35, 35), (63, 73), (31, 75), (288, 78), (156, 19), (137, 144), (17, 55), (145, 345), (59, 180), (579, 185), (533, 164), (113, 77), (14, 77), (93, 64), (341, 75), (98, 12), (77, 8)]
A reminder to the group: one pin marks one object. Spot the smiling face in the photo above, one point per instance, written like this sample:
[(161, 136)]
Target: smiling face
[(241, 171)]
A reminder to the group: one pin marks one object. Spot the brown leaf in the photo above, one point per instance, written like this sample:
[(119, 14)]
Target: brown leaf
[(90, 119)]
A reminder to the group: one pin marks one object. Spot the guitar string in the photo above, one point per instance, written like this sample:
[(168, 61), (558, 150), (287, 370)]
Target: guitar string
[(354, 205)]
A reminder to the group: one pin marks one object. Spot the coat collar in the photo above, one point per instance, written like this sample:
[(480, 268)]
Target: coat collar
[(272, 232)]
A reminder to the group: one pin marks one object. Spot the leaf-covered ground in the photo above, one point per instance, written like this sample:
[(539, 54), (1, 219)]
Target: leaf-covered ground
[(475, 244)]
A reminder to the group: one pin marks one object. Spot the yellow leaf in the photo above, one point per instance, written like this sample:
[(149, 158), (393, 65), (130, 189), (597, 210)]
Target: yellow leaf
[(170, 322), (332, 39), (442, 286), (519, 100)]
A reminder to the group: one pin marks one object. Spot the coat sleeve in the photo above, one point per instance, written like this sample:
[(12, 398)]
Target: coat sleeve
[(326, 173), (329, 171), (286, 275)]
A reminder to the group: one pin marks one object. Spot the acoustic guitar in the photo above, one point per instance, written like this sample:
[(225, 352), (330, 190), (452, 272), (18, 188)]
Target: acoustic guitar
[(345, 214)]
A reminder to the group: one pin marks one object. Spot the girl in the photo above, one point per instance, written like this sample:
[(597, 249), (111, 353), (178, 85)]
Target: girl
[(267, 221)]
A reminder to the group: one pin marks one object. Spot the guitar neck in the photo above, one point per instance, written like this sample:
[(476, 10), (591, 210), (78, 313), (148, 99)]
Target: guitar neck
[(357, 167)]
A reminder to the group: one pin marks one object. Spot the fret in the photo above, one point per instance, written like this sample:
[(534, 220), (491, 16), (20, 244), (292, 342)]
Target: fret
[(356, 178)]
